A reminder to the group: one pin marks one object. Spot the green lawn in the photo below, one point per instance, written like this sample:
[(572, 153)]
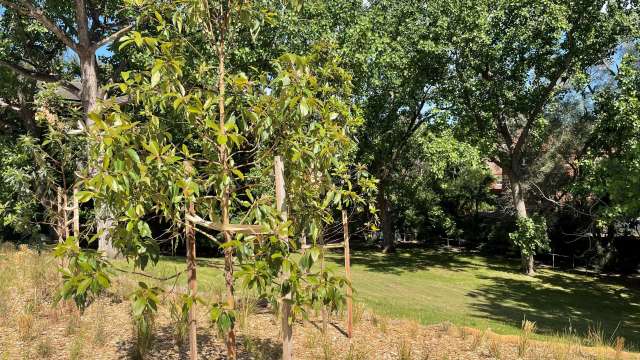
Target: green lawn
[(467, 289)]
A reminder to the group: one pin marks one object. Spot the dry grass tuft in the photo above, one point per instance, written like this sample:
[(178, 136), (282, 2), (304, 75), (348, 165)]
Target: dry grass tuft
[(44, 349), (358, 313), (25, 324), (179, 322), (381, 322), (528, 329), (328, 351), (494, 348), (404, 349), (478, 339), (619, 347), (595, 335), (356, 352), (247, 307)]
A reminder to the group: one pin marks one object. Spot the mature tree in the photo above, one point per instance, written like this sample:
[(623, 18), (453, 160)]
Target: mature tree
[(608, 171), (440, 181), (398, 66), (510, 59), (82, 27), (28, 54)]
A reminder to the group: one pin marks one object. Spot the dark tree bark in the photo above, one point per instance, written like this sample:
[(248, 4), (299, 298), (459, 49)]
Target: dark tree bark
[(26, 111), (385, 221), (518, 195)]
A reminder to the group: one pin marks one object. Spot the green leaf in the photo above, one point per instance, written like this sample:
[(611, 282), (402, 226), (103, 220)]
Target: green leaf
[(221, 139), (133, 155)]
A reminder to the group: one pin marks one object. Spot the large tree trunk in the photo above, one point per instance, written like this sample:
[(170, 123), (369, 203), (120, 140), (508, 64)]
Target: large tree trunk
[(26, 112), (519, 203), (385, 222), (89, 96)]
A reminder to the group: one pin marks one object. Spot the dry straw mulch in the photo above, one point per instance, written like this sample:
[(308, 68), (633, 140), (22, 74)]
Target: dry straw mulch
[(32, 328)]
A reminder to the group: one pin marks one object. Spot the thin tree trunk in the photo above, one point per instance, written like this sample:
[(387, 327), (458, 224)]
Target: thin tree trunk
[(76, 215), (65, 216), (193, 284), (287, 333), (347, 272), (224, 160), (385, 222), (60, 222)]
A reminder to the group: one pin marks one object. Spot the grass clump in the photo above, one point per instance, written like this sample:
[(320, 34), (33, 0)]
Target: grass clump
[(143, 328), (619, 347), (356, 352), (25, 324), (381, 322), (247, 307), (405, 351), (478, 339), (494, 349), (179, 323), (44, 349), (528, 329), (76, 349), (99, 337), (328, 351), (358, 313)]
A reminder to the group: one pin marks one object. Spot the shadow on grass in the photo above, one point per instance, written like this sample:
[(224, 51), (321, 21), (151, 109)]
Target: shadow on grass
[(559, 303), (409, 260)]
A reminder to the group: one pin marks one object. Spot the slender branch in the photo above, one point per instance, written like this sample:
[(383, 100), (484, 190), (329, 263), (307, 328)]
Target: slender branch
[(40, 76), (113, 37), (151, 276), (6, 105), (35, 75), (35, 13)]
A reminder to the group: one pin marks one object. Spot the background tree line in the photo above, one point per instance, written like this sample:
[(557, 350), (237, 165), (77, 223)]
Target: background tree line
[(545, 90)]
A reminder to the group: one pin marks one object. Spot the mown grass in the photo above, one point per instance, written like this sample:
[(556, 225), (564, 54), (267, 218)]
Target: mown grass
[(466, 289)]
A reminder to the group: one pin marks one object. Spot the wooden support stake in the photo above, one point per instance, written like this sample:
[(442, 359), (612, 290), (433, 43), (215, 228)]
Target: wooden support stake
[(193, 284), (190, 242), (287, 332), (323, 308), (347, 270)]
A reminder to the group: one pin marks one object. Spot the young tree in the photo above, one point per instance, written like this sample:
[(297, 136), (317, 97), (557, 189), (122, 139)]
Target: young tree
[(196, 150), (510, 60)]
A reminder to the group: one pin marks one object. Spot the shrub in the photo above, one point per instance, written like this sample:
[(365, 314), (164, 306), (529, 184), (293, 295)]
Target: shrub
[(144, 307), (86, 275), (530, 235)]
